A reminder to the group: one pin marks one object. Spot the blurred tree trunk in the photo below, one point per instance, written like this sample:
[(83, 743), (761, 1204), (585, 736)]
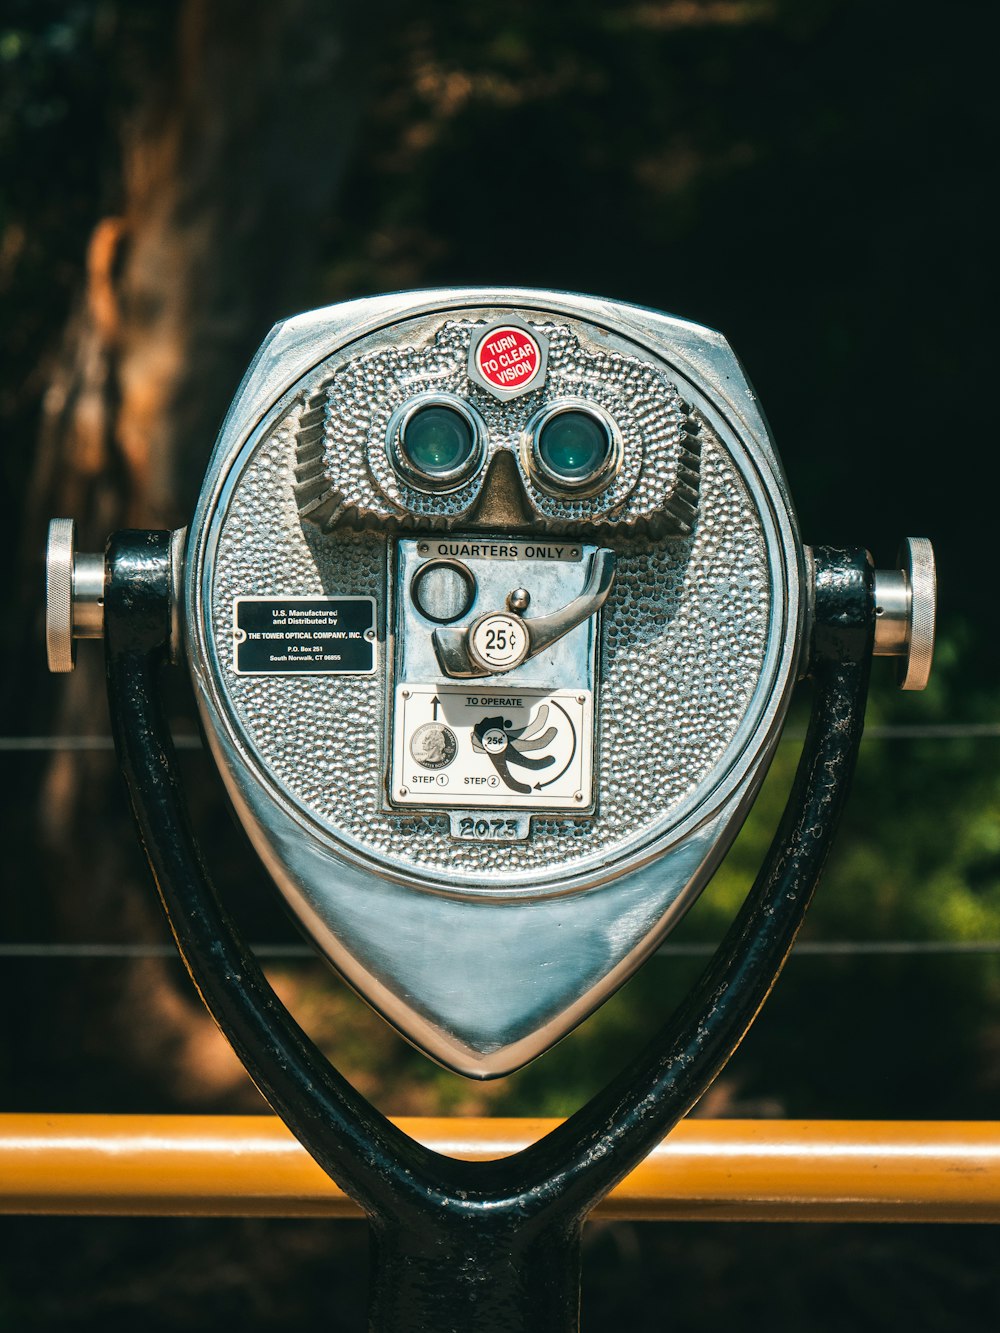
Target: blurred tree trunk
[(222, 171)]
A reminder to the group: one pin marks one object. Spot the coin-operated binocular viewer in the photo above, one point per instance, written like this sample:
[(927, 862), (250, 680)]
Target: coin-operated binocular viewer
[(493, 603)]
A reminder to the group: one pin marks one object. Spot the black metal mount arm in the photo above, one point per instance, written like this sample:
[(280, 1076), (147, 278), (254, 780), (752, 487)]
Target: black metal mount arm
[(487, 1245)]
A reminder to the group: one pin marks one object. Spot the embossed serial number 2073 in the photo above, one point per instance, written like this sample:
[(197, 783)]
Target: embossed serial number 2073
[(493, 829)]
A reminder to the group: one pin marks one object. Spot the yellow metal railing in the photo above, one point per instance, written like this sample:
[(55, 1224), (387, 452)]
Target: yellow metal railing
[(712, 1170)]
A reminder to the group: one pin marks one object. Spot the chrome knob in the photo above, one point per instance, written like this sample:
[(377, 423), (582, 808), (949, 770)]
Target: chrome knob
[(905, 612), (74, 595)]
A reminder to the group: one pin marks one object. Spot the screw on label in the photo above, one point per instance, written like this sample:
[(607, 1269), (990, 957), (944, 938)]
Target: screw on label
[(508, 357)]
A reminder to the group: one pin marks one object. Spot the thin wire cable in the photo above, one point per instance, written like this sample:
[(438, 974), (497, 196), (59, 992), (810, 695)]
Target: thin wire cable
[(804, 949), (130, 951), (53, 744), (931, 731)]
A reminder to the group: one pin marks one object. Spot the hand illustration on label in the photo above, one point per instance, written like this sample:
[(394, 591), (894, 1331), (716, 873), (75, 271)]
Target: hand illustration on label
[(495, 737)]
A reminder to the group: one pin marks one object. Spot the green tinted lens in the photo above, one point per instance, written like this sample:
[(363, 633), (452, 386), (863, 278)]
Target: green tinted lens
[(438, 440), (574, 446)]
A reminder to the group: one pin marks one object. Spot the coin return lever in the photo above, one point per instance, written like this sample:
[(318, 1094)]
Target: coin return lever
[(499, 641)]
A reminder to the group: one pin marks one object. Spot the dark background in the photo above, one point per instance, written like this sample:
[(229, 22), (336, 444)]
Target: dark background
[(812, 179)]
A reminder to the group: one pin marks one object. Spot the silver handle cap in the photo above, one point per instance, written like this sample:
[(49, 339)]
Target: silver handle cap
[(74, 595), (906, 612), (60, 553)]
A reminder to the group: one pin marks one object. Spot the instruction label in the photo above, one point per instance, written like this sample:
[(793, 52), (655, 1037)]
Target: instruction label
[(526, 749), (304, 635)]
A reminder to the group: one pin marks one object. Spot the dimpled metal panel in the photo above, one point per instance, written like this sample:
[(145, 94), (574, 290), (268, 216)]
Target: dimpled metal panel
[(683, 643), (344, 471)]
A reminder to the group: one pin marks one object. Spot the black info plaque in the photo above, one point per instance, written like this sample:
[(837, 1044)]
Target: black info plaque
[(299, 635)]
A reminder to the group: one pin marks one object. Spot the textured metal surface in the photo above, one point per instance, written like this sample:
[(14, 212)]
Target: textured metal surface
[(707, 1170), (74, 595), (59, 556), (685, 634), (699, 645), (494, 1245), (344, 473)]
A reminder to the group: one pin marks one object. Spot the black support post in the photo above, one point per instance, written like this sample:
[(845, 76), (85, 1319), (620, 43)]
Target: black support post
[(490, 1246)]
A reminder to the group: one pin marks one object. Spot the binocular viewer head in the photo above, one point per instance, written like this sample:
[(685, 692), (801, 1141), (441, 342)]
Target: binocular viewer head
[(478, 418), (494, 601)]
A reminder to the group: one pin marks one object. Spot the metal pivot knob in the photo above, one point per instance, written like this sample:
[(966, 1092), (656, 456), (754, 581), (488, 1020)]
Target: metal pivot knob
[(905, 612), (74, 595)]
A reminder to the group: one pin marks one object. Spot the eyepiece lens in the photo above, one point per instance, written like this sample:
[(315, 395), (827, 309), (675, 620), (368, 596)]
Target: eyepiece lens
[(438, 440), (574, 446)]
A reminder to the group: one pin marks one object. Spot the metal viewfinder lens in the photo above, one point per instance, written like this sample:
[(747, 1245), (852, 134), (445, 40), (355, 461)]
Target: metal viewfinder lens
[(436, 441), (574, 447)]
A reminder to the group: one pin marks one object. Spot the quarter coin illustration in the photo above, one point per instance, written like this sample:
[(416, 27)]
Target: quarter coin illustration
[(433, 745)]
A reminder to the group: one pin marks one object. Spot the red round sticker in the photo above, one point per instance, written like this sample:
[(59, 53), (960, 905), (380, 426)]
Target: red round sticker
[(508, 357)]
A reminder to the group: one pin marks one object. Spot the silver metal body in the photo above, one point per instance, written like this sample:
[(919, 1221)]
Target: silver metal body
[(485, 944), (491, 733)]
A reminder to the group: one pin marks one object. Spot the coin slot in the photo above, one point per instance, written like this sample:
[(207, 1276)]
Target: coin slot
[(443, 590)]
